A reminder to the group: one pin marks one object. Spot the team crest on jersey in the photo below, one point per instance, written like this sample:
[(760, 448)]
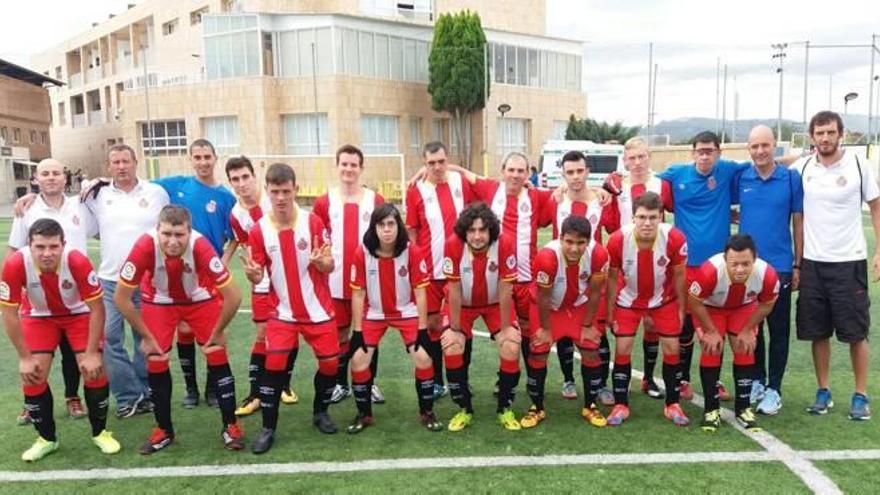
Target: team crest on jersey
[(662, 261), (4, 291), (75, 220), (211, 206), (684, 250), (143, 203), (366, 216), (543, 278), (447, 265), (302, 245), (584, 275), (128, 271), (215, 265), (458, 193), (710, 183), (510, 261), (525, 208), (493, 267), (841, 181), (67, 284), (593, 219), (403, 271), (423, 266), (695, 288), (750, 294), (325, 234), (187, 268), (92, 278)]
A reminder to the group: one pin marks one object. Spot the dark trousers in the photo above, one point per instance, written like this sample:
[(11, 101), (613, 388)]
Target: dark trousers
[(771, 368)]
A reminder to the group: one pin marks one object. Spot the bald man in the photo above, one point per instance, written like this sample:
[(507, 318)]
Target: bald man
[(771, 211), (77, 226)]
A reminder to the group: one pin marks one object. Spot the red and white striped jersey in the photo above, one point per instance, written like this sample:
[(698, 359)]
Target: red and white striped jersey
[(570, 282), (59, 293), (192, 277), (620, 208), (520, 217), (646, 275), (300, 291), (242, 220), (712, 285), (431, 210), (347, 223), (556, 213), (389, 282), (480, 273)]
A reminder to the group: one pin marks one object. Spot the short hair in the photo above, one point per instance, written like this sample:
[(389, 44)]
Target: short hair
[(649, 200), (573, 156), (280, 173), (237, 162), (533, 169), (740, 243), (826, 117), (635, 142), (175, 215), (351, 150), (45, 227), (512, 155), (121, 147), (706, 137), (473, 212), (371, 239), (577, 225), (433, 147), (204, 143)]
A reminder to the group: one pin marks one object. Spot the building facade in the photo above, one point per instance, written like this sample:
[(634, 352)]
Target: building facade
[(292, 80)]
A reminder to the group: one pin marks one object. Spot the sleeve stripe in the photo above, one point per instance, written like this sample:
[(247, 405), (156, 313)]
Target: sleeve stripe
[(95, 296), (10, 304), (452, 277), (355, 287), (123, 282), (224, 283), (422, 285), (511, 278), (544, 286)]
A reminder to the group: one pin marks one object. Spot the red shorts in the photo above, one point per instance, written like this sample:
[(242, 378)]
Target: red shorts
[(564, 323), (522, 299), (436, 293), (665, 319), (342, 309), (262, 307), (162, 320), (729, 320), (42, 335), (375, 329), (283, 336), (491, 315)]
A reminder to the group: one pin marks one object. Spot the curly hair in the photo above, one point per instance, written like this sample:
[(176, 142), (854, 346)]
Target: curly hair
[(473, 212)]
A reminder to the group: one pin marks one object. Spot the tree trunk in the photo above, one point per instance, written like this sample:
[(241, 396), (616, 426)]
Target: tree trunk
[(458, 121)]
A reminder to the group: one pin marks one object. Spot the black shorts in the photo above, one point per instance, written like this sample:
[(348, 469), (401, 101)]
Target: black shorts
[(833, 298)]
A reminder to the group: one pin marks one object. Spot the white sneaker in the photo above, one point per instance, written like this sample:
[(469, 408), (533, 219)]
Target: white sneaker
[(770, 404), (340, 393), (758, 391)]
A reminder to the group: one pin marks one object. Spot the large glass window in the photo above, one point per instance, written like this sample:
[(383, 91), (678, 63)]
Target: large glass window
[(559, 129), (167, 137), (415, 135), (382, 56), (223, 134), (512, 135), (307, 134), (396, 58), (379, 134), (232, 46), (367, 54), (438, 130)]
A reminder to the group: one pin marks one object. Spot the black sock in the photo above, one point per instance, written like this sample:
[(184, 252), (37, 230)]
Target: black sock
[(221, 378), (436, 352), (270, 393), (650, 350), (525, 348), (686, 348), (535, 378), (592, 376), (672, 382), (507, 383), (709, 378), (288, 370), (186, 353), (160, 393), (458, 388), (620, 381), (468, 354), (743, 374), (69, 369), (374, 363), (362, 397), (97, 401), (40, 410), (324, 385), (425, 391), (255, 373), (605, 357), (565, 351), (342, 367)]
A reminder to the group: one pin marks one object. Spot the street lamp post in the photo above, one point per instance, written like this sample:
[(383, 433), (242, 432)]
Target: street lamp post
[(852, 95), (780, 54)]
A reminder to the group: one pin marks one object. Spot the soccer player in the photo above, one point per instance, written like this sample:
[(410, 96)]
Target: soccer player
[(291, 247), (569, 275), (646, 279), (388, 281), (78, 226), (834, 274), (480, 269), (179, 275), (345, 211), (433, 204), (729, 294), (49, 290)]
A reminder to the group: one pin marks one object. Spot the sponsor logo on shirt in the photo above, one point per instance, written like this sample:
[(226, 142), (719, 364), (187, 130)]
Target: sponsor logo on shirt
[(710, 183), (210, 206), (128, 270), (4, 291), (216, 265), (543, 278), (423, 266), (447, 265), (695, 288), (92, 278), (684, 250)]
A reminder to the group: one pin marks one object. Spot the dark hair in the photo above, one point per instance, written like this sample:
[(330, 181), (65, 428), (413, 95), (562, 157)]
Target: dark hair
[(577, 225), (202, 142), (826, 117), (371, 239), (280, 173), (573, 156), (706, 137), (121, 147), (351, 150), (433, 147), (175, 215), (45, 227), (473, 212), (237, 162), (739, 243), (533, 169), (649, 200)]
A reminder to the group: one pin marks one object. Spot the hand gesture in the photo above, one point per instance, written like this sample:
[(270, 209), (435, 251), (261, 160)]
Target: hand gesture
[(319, 254), (589, 333), (91, 366), (252, 269), (30, 370), (23, 203)]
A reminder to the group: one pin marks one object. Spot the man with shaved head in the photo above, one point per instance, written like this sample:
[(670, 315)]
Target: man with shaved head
[(771, 209)]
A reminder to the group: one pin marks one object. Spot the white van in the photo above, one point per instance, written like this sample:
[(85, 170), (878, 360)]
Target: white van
[(601, 158)]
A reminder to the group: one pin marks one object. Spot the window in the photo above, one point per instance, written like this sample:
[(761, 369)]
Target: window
[(223, 134), (510, 64), (498, 66), (438, 130), (33, 136), (415, 135), (512, 135), (195, 17), (382, 59), (559, 129), (4, 135), (396, 58), (16, 135), (307, 134), (168, 138), (379, 134), (350, 43), (367, 55), (232, 46), (58, 72), (44, 137), (169, 27)]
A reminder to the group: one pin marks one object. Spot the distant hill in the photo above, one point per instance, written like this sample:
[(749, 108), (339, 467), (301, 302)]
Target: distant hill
[(681, 130)]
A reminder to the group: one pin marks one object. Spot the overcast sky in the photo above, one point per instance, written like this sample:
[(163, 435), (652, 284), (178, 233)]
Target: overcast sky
[(688, 37)]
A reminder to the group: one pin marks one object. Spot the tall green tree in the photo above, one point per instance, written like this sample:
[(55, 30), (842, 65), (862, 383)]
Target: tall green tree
[(457, 66), (598, 132)]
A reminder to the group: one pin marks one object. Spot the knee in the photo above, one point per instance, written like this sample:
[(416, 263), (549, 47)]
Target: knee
[(421, 358), (157, 364), (328, 367)]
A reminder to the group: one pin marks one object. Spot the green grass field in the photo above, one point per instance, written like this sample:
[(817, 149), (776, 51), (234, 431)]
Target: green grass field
[(399, 436)]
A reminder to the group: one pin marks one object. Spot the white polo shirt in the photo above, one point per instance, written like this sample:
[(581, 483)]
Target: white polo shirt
[(833, 207), (121, 218), (76, 222)]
